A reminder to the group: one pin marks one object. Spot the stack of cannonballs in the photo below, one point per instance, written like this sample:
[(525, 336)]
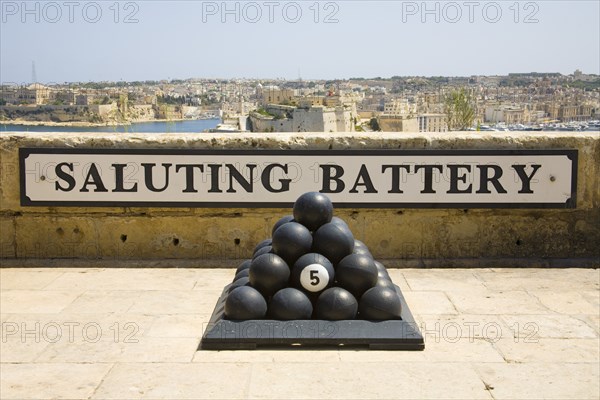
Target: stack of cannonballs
[(312, 268)]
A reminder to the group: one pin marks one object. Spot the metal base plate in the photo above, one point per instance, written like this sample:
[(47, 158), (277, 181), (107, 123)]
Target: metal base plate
[(223, 334)]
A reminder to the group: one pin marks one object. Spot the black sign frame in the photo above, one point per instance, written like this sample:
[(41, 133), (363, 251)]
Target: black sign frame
[(571, 154)]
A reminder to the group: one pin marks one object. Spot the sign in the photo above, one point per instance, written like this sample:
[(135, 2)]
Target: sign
[(275, 178)]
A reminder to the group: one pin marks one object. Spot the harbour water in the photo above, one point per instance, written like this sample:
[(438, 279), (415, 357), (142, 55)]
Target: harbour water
[(187, 126)]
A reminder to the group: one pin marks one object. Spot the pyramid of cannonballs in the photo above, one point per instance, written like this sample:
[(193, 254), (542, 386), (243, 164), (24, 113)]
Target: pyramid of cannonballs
[(312, 268)]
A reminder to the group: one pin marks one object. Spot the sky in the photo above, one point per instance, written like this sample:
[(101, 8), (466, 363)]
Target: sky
[(81, 41)]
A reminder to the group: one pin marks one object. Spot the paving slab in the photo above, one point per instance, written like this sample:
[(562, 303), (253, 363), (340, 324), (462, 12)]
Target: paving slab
[(103, 301), (469, 326), (541, 380), (51, 381), (125, 349), (126, 279), (548, 350), (26, 279), (175, 301), (438, 350), (179, 325), (444, 279), (134, 334), (176, 381), (567, 302), (593, 321), (17, 350), (354, 380), (516, 302), (540, 279), (428, 302), (36, 301), (77, 327), (548, 326)]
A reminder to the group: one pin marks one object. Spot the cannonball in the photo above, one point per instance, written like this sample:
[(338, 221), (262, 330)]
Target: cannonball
[(382, 274), (358, 243), (362, 251), (269, 273), (244, 303), (385, 282), (244, 265), (290, 303), (262, 250), (312, 210), (356, 273), (241, 274), (380, 267), (281, 221), (335, 304), (380, 303), (340, 222), (243, 281), (312, 272), (292, 240), (333, 241), (261, 244), (361, 248)]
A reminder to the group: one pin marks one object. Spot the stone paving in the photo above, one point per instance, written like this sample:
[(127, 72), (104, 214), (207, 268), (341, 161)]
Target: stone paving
[(133, 334)]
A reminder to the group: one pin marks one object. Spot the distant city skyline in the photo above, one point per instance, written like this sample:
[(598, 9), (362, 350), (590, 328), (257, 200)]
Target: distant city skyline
[(152, 40)]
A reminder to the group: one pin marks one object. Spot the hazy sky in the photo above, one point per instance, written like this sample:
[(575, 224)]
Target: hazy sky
[(140, 40)]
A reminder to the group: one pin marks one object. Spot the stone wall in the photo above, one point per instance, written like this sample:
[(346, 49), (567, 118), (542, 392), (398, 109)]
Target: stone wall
[(271, 124), (390, 123), (204, 237)]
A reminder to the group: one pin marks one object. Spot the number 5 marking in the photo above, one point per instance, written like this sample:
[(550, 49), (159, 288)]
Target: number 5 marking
[(314, 277)]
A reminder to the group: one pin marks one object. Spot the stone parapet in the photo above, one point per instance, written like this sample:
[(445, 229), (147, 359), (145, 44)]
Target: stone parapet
[(219, 237)]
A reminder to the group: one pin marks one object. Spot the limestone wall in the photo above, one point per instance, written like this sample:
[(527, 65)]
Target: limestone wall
[(136, 236)]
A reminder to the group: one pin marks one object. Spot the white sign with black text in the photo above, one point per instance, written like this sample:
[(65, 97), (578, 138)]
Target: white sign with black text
[(275, 178)]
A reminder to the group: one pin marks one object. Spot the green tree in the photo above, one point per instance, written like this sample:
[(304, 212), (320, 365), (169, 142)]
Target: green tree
[(374, 124), (459, 109)]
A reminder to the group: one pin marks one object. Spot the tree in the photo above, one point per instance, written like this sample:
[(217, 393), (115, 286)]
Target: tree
[(459, 109), (374, 124)]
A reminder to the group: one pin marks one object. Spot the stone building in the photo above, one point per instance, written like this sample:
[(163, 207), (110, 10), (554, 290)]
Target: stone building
[(432, 122), (33, 94)]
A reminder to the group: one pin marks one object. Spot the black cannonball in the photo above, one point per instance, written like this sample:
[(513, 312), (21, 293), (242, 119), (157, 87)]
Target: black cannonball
[(281, 221), (269, 273), (385, 282), (312, 210), (333, 241), (262, 250), (356, 273), (335, 304), (244, 265), (292, 240), (380, 267), (382, 274), (243, 281), (241, 274), (244, 303), (312, 272), (380, 303), (261, 244), (361, 248), (362, 251), (290, 303), (358, 243), (340, 222)]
